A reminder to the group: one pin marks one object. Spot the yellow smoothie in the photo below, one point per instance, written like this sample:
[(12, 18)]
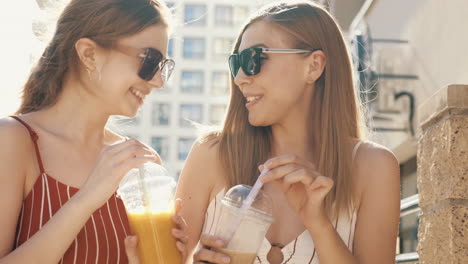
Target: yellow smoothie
[(156, 245), (238, 257)]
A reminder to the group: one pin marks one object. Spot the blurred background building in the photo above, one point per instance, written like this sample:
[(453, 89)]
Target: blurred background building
[(404, 53), (407, 53)]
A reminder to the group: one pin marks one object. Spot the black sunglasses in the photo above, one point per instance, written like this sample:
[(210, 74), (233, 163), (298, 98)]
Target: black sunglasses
[(250, 59), (152, 60)]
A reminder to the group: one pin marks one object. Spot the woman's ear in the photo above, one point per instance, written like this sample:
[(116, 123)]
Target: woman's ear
[(87, 52), (316, 65)]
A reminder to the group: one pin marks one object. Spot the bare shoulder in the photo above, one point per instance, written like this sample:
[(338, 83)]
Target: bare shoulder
[(16, 153), (203, 168), (14, 137), (205, 154), (376, 167), (17, 148), (370, 152), (206, 147), (378, 184)]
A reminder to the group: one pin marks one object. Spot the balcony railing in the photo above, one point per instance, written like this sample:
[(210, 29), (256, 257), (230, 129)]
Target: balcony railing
[(407, 258)]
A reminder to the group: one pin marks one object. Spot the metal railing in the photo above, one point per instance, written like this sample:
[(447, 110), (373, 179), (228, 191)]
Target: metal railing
[(408, 206), (407, 257)]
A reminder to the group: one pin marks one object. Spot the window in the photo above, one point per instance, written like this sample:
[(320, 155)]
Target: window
[(195, 15), (220, 83), (217, 114), (223, 15), (240, 15), (409, 220), (190, 112), (170, 48), (170, 5), (194, 48), (192, 82), (222, 48), (161, 145), (228, 16), (161, 113), (409, 178), (184, 147)]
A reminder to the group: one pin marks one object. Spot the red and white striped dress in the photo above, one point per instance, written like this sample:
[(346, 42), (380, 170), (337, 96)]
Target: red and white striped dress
[(101, 240)]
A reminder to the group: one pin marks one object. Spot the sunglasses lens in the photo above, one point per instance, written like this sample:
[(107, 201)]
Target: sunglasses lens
[(234, 64), (250, 61), (150, 64)]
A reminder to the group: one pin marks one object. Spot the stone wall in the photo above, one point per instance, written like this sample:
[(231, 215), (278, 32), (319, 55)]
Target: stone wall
[(443, 174)]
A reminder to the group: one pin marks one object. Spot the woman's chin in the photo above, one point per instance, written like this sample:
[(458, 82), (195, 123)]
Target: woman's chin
[(258, 122), (131, 111), (126, 113)]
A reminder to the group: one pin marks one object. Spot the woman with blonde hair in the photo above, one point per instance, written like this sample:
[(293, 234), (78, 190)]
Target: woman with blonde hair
[(293, 109), (60, 164)]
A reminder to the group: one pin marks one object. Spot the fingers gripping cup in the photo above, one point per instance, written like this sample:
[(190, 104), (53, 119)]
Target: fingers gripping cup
[(148, 195), (243, 229)]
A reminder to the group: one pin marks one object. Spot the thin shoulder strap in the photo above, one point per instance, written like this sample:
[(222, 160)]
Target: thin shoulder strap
[(356, 147), (34, 138)]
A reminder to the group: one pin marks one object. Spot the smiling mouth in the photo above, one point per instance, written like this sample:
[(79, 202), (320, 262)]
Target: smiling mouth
[(138, 94), (251, 99)]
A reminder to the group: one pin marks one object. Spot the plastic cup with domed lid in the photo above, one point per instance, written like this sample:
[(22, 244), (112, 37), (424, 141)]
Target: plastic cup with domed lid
[(243, 229), (148, 196)]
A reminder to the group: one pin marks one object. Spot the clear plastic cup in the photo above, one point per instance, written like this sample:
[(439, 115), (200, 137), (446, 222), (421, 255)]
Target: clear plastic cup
[(148, 196), (243, 229)]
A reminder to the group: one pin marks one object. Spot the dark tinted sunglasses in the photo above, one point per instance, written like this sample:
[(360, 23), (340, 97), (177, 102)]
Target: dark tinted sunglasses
[(250, 59), (152, 60)]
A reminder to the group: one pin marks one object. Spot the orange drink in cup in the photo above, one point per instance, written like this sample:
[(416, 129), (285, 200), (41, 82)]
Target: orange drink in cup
[(148, 195)]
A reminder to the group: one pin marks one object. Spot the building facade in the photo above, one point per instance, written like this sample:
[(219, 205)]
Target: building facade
[(412, 77)]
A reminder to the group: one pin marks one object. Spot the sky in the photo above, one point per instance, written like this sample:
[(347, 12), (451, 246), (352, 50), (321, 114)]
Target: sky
[(18, 45)]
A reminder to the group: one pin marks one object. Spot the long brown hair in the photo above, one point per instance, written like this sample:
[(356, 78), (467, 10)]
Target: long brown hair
[(335, 117), (103, 21)]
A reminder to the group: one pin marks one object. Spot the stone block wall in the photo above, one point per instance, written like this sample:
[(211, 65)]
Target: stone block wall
[(443, 177)]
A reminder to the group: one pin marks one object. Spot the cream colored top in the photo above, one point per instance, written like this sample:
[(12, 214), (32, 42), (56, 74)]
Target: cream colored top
[(300, 250)]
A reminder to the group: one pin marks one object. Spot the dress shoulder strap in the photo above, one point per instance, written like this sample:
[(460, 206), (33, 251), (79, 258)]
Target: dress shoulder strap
[(34, 138)]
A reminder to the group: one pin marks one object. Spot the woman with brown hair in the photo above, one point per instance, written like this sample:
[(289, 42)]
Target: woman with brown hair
[(60, 164), (293, 109)]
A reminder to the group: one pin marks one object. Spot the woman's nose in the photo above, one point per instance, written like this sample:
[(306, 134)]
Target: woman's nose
[(241, 78)]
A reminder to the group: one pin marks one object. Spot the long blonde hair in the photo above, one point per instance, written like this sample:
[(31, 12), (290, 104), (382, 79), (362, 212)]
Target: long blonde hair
[(335, 116)]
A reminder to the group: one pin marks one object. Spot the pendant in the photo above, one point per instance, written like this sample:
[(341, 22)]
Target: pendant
[(275, 255)]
